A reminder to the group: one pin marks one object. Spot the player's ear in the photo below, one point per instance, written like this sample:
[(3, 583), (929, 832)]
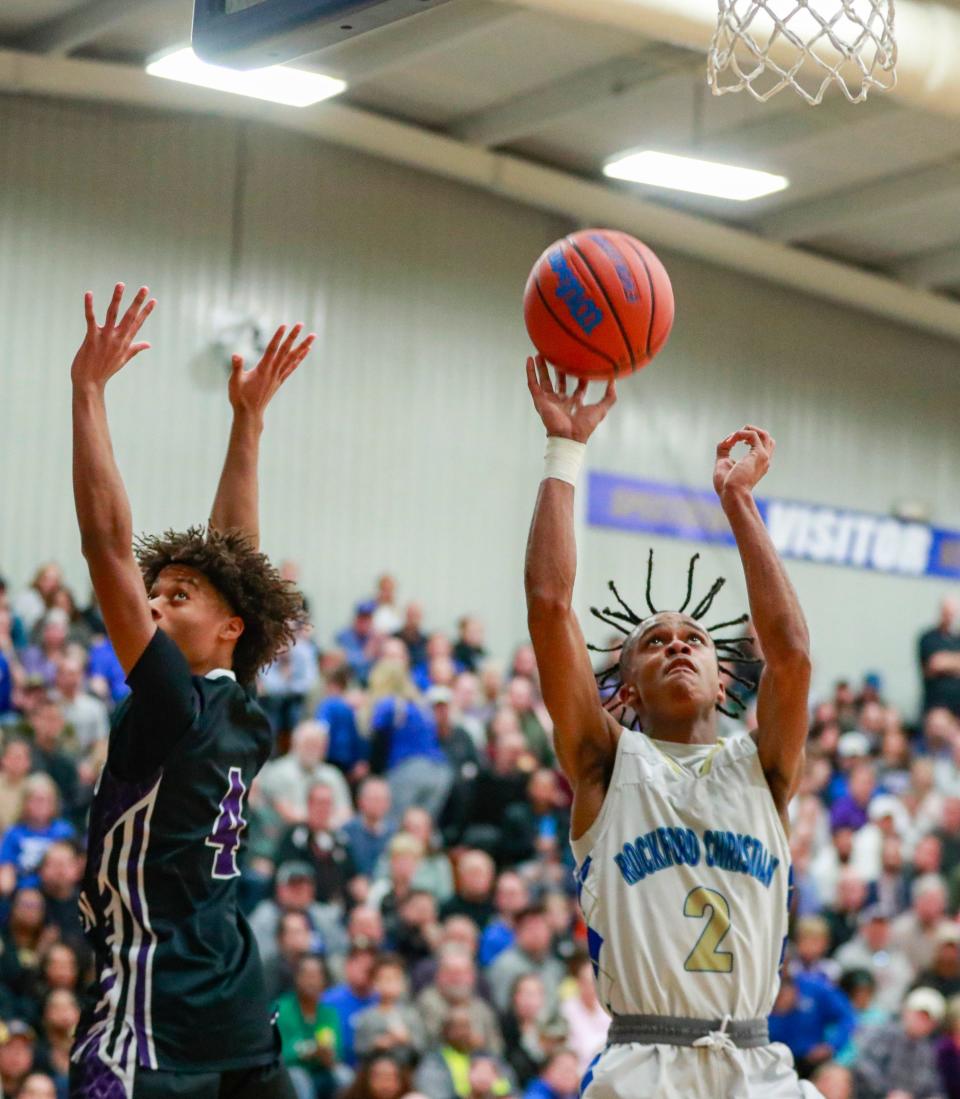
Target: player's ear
[(721, 692), (232, 628)]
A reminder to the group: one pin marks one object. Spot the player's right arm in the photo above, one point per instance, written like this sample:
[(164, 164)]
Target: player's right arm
[(103, 510), (585, 735)]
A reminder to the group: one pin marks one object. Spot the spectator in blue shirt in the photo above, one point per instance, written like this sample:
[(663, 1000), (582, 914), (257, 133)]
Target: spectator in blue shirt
[(369, 832), (346, 748), (358, 640), (405, 745), (354, 995), (105, 673), (24, 845), (813, 1018), (560, 1078)]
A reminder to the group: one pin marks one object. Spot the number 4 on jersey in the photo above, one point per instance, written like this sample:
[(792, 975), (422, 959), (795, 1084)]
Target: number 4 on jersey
[(225, 837)]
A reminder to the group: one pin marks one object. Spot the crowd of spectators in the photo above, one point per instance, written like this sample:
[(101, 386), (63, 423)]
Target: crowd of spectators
[(408, 875)]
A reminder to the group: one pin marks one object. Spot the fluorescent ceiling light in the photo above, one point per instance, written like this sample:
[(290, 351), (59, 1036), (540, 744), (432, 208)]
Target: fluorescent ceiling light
[(276, 83), (700, 177)]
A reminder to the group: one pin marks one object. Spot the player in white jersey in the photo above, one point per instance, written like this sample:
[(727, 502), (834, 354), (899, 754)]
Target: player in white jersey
[(680, 836)]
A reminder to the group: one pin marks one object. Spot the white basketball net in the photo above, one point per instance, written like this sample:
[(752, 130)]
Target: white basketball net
[(764, 46)]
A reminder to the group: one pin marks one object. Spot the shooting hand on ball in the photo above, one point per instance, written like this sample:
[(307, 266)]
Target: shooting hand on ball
[(564, 414)]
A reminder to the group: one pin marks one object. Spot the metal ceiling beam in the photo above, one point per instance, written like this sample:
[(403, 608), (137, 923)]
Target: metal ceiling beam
[(859, 203), (540, 107), (404, 44), (78, 27), (510, 177), (931, 269)]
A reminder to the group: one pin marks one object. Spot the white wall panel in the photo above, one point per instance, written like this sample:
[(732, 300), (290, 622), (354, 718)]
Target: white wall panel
[(407, 441)]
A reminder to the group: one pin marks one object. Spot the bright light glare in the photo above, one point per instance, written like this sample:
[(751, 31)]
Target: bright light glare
[(699, 177), (276, 83)]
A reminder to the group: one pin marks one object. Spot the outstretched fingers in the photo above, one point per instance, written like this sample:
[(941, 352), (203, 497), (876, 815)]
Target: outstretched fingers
[(114, 307), (297, 357), (543, 375), (89, 314)]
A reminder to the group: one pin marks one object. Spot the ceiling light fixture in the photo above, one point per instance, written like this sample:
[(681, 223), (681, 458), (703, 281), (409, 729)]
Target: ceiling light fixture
[(699, 177)]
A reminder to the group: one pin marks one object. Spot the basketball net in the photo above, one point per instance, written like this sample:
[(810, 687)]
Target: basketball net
[(764, 46)]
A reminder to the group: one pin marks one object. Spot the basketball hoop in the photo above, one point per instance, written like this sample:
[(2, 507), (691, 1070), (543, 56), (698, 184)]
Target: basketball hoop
[(764, 46)]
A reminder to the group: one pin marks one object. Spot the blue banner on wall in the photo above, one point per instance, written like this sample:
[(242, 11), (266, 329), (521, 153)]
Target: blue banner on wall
[(806, 532)]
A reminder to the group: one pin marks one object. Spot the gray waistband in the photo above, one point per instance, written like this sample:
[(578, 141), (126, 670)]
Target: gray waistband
[(671, 1031)]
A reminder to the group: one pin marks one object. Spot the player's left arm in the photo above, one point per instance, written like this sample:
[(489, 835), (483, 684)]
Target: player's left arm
[(775, 610), (237, 503)]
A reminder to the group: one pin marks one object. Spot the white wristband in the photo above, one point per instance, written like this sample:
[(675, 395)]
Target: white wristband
[(563, 459)]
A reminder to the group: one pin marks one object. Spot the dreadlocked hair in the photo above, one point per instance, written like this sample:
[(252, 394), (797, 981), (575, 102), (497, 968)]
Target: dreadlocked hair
[(731, 651), (271, 608)]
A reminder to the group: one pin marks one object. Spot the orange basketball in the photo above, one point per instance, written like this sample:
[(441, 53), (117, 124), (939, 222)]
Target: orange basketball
[(598, 304)]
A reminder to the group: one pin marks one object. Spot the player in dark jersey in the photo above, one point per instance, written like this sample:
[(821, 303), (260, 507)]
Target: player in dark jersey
[(179, 1005)]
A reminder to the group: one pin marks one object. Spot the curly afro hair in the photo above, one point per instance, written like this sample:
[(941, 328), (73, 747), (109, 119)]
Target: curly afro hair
[(271, 608)]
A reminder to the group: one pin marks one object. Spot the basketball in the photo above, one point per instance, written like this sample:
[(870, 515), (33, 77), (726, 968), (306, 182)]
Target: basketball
[(598, 304)]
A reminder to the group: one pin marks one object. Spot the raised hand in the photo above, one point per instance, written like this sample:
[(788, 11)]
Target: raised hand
[(107, 348), (731, 476), (251, 391), (565, 415)]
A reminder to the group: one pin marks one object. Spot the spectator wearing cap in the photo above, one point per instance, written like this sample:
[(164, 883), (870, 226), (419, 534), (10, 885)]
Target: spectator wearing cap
[(369, 832), (359, 640), (900, 1055), (346, 748), (938, 650), (390, 1025), (17, 1047), (295, 890), (948, 1051), (320, 844), (285, 782), (853, 747), (915, 932), (871, 950), (944, 972), (811, 1017), (404, 744), (353, 995), (310, 1031), (530, 953)]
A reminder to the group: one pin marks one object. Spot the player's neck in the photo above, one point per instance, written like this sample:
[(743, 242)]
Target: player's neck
[(686, 730)]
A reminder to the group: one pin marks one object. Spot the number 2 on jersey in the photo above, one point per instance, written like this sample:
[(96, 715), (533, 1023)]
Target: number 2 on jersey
[(706, 956), (225, 837)]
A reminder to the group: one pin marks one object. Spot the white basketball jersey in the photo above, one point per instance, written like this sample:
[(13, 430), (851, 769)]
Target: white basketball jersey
[(683, 881)]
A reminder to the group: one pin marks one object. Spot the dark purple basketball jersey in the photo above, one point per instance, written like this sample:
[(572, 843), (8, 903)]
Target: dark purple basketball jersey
[(179, 980)]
